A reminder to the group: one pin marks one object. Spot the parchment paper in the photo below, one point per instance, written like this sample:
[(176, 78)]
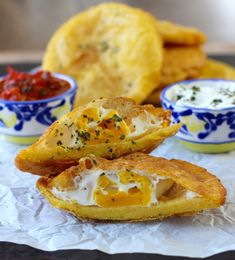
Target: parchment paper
[(27, 218)]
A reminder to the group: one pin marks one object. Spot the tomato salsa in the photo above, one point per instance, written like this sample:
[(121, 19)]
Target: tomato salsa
[(24, 86)]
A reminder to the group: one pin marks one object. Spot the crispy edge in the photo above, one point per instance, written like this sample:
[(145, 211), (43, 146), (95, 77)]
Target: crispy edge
[(173, 33), (169, 168), (180, 63), (54, 167), (27, 161), (130, 213), (193, 177), (217, 69)]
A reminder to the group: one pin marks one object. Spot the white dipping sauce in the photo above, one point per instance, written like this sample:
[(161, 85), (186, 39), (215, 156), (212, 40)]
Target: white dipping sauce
[(213, 95)]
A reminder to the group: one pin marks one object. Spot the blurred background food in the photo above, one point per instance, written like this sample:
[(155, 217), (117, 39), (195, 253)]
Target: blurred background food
[(27, 26), (36, 20)]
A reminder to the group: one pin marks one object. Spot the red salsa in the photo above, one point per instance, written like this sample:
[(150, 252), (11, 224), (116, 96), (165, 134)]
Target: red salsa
[(24, 86)]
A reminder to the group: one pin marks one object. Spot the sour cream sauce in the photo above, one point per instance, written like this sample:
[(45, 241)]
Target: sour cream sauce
[(212, 96)]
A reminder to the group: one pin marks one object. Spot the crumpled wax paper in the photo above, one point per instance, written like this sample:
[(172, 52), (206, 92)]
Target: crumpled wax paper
[(27, 218)]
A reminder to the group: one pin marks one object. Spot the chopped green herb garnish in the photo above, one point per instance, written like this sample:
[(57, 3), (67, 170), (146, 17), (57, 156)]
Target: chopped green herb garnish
[(116, 118), (84, 134), (215, 102), (195, 88), (104, 46), (122, 137), (97, 132), (59, 143), (178, 97), (94, 161)]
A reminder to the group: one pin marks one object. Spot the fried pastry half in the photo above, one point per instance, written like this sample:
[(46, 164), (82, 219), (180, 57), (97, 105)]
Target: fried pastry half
[(137, 187), (108, 128), (176, 34)]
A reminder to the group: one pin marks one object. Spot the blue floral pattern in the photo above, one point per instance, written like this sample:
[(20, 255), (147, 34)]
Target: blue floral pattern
[(41, 112), (211, 121), (2, 124)]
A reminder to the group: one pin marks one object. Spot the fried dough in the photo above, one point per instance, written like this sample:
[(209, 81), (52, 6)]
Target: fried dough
[(176, 34), (111, 50), (127, 189), (154, 98), (218, 70), (181, 63), (108, 128), (213, 69)]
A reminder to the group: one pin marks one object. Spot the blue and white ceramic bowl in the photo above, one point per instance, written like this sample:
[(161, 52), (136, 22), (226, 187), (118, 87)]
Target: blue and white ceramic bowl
[(23, 122), (204, 130)]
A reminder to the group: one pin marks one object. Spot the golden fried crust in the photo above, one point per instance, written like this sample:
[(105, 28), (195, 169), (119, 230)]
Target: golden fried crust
[(180, 35), (154, 98), (180, 63), (217, 69), (104, 49), (42, 158), (189, 176), (211, 69)]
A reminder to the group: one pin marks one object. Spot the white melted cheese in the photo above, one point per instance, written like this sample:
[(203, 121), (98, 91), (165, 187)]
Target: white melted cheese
[(212, 96), (141, 126), (84, 188), (190, 195), (85, 185)]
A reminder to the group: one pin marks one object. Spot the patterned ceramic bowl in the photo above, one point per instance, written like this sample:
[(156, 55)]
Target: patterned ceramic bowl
[(23, 122), (204, 130)]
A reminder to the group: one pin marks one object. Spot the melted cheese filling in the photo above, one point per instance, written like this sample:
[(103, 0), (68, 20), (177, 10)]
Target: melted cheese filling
[(98, 125), (114, 189)]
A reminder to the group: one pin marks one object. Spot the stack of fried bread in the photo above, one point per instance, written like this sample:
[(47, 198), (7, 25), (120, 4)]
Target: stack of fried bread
[(94, 164), (184, 59), (116, 50)]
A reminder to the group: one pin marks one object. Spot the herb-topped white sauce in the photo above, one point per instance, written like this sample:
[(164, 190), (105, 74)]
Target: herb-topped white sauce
[(203, 95)]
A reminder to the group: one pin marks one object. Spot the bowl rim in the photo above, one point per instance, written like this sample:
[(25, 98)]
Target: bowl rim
[(198, 142), (73, 88), (163, 94)]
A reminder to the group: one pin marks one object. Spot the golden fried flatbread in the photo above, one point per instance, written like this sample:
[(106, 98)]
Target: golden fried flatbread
[(212, 69), (180, 35), (108, 128), (181, 63), (111, 50), (218, 70), (154, 98), (137, 187)]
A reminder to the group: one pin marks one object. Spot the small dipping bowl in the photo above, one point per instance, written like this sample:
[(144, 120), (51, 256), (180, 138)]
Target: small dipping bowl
[(23, 122), (206, 130)]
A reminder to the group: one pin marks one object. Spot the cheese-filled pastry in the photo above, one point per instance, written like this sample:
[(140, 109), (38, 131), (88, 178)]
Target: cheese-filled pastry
[(135, 187), (107, 128)]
